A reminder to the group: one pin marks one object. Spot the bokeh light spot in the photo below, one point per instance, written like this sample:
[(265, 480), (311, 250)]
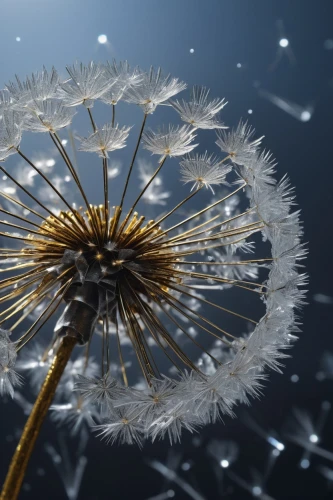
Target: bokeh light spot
[(102, 39), (284, 42)]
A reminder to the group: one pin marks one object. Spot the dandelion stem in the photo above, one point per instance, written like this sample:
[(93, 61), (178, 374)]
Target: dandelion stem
[(193, 229), (52, 214), (30, 333), (225, 159), (106, 193), (93, 124), (209, 207), (16, 472), (146, 187), (133, 160), (159, 221), (223, 263), (57, 142), (52, 186), (113, 114)]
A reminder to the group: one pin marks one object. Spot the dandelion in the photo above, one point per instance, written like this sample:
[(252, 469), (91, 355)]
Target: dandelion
[(103, 273)]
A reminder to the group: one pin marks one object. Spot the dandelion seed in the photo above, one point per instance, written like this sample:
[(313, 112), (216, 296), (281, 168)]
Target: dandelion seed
[(175, 141), (203, 170), (102, 390), (121, 428), (108, 138), (153, 89), (48, 116), (35, 89), (238, 143), (155, 193), (8, 377), (121, 78), (86, 84), (10, 133), (199, 111), (75, 414)]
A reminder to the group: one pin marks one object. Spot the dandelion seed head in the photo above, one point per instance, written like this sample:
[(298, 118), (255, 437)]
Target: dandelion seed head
[(141, 280)]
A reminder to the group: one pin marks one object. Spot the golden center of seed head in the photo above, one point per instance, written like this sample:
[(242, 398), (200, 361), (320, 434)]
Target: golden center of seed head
[(102, 237)]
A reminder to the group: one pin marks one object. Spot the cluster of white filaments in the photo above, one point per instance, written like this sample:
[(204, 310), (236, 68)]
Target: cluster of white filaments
[(148, 287)]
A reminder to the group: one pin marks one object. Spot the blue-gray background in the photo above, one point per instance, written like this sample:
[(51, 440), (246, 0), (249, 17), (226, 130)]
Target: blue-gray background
[(222, 34)]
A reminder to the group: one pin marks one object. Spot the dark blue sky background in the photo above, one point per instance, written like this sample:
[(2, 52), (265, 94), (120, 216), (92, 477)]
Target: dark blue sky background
[(223, 34)]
